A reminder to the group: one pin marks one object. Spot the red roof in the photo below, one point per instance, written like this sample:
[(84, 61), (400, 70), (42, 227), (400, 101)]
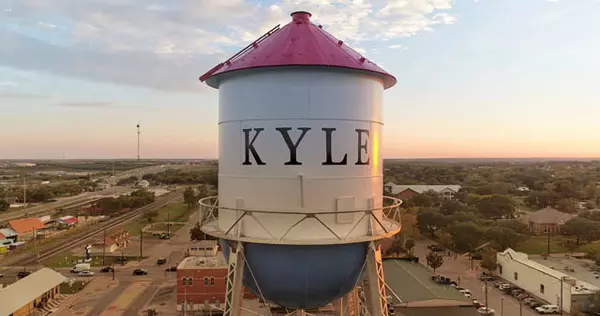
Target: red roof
[(26, 225), (299, 43), (71, 220)]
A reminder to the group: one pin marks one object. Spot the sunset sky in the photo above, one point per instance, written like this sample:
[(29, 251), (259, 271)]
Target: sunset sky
[(487, 78)]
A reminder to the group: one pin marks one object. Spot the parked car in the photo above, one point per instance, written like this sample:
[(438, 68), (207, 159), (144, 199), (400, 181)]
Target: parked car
[(161, 261), (486, 311), (466, 293), (106, 269), (23, 274), (503, 286), (528, 300), (478, 304), (435, 248), (535, 304), (547, 309), (171, 269), (522, 296), (85, 273), (140, 272)]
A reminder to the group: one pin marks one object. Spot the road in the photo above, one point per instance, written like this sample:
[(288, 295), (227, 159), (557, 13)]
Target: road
[(43, 209), (459, 269)]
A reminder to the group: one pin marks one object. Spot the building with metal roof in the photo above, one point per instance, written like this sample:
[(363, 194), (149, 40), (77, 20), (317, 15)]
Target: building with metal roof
[(407, 191), (551, 285), (25, 295), (410, 285)]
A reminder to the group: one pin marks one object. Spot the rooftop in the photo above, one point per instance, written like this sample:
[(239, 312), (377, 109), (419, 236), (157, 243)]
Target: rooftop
[(204, 243), (217, 261), (549, 215), (26, 225), (412, 283), (298, 43), (435, 311), (420, 188), (582, 268), (25, 290), (553, 267)]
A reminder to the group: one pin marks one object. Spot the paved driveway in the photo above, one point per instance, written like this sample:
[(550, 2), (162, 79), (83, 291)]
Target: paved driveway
[(459, 268)]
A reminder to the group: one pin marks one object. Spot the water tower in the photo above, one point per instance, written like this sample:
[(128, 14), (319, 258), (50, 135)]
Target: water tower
[(300, 201)]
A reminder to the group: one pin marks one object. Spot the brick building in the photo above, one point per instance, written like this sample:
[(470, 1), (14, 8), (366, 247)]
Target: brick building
[(201, 283)]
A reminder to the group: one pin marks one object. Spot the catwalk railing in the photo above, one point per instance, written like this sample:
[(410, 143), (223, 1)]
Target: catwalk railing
[(383, 222)]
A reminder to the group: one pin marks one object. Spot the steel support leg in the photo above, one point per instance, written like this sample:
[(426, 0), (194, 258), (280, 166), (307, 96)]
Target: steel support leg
[(374, 283), (350, 304), (235, 273)]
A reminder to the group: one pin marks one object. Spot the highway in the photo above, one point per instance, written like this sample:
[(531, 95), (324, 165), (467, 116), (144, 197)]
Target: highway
[(46, 208)]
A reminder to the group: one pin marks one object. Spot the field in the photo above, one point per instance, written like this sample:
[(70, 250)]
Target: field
[(176, 212), (70, 288), (539, 245), (68, 259)]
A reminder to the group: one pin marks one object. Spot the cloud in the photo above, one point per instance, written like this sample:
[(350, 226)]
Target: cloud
[(18, 95), (167, 44), (97, 104), (395, 46)]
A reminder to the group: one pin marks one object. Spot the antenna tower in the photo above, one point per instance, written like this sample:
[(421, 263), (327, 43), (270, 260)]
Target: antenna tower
[(138, 142)]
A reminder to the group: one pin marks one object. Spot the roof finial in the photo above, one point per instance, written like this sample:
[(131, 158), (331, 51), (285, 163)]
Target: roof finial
[(301, 17)]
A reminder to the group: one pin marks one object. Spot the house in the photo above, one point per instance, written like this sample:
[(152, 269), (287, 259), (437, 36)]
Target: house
[(403, 191), (115, 240), (203, 248), (201, 283), (30, 294), (413, 292), (544, 282), (26, 228), (8, 236), (546, 221), (66, 222)]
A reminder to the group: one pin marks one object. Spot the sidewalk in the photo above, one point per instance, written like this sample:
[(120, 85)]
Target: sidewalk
[(81, 303)]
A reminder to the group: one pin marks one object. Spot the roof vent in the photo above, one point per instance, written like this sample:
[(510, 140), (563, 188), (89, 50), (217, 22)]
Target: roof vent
[(300, 17)]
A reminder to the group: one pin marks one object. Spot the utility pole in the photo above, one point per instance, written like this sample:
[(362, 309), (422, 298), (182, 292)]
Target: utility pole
[(104, 247), (141, 243), (113, 271), (486, 293), (24, 190), (548, 242), (520, 308), (169, 224), (502, 306)]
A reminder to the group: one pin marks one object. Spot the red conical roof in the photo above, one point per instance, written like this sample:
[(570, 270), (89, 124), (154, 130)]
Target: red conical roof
[(299, 43)]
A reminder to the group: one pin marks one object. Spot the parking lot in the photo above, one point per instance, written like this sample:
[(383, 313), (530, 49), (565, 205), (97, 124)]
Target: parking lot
[(459, 269)]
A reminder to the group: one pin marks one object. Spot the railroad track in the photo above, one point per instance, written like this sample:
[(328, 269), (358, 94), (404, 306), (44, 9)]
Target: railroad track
[(85, 236)]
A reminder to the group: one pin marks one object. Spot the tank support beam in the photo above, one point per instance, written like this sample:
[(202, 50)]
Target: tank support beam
[(235, 274), (374, 284)]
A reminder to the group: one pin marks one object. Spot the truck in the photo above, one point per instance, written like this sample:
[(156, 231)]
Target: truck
[(80, 267)]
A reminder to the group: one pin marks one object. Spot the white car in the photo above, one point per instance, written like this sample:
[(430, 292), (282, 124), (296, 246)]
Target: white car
[(466, 293), (548, 309), (85, 273), (486, 311)]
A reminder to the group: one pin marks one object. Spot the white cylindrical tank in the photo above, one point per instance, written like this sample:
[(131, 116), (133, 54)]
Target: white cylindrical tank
[(309, 140), (300, 165)]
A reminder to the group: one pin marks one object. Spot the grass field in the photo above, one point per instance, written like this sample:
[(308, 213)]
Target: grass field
[(68, 259), (163, 227), (176, 212), (71, 288), (539, 245)]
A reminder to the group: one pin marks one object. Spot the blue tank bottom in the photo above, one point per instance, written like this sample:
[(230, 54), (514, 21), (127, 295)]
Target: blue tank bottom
[(302, 277)]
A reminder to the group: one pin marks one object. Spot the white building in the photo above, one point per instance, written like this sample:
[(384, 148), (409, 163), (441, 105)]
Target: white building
[(542, 281)]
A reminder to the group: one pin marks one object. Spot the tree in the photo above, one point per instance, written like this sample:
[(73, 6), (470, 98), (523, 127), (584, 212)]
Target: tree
[(503, 237), (4, 205), (450, 207), (582, 229), (430, 221), (426, 199), (466, 236), (434, 260), (489, 261), (410, 245), (189, 197), (397, 245), (197, 234), (150, 215), (496, 206), (567, 206)]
